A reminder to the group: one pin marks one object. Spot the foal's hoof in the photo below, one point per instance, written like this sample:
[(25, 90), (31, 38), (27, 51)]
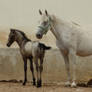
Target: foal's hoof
[(73, 85), (39, 84), (34, 83), (24, 84)]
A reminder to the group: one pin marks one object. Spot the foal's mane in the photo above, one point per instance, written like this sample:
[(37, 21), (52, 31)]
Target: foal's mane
[(21, 32)]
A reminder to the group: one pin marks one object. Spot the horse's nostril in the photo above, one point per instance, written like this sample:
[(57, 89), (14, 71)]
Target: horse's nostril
[(39, 36)]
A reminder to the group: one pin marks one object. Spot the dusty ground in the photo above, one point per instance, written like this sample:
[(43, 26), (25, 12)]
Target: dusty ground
[(17, 87)]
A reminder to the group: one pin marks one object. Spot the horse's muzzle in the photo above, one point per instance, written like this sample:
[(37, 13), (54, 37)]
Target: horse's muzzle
[(39, 36)]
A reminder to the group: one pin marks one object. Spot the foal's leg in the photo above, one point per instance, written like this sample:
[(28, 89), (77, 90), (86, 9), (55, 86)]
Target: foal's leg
[(66, 60), (37, 69), (72, 57), (32, 70), (25, 71), (41, 69)]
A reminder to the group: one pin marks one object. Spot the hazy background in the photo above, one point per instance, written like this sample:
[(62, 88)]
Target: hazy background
[(24, 13)]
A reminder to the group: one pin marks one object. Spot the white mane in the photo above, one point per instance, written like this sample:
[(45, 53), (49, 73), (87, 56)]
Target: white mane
[(59, 21)]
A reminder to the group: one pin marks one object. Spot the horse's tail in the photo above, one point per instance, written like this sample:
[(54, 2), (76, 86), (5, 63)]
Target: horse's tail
[(41, 45)]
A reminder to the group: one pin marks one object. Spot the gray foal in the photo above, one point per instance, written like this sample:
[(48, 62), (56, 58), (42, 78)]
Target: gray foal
[(32, 50)]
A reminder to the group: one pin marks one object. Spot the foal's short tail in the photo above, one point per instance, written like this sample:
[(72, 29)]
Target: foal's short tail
[(47, 47), (41, 45)]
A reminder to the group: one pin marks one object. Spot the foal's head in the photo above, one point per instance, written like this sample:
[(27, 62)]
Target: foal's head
[(18, 36), (12, 37)]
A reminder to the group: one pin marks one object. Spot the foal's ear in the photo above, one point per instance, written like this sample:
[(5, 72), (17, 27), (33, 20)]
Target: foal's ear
[(46, 12), (40, 12), (12, 30)]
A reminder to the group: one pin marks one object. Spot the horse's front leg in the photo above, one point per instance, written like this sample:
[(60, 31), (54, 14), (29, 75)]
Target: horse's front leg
[(72, 57), (67, 66), (25, 71)]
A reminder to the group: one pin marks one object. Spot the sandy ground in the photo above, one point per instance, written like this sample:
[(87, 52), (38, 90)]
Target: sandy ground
[(17, 87)]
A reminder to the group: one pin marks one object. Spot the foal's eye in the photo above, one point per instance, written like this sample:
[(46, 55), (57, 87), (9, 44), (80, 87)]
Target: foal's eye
[(12, 36)]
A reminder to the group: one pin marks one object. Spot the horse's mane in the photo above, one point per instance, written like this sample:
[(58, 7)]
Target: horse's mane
[(58, 20), (75, 23), (62, 21), (23, 34)]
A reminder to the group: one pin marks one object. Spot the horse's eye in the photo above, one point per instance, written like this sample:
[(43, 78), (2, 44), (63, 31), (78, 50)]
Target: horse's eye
[(45, 23)]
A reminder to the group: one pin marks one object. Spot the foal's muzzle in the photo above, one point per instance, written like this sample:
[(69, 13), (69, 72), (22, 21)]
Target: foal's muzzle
[(8, 44)]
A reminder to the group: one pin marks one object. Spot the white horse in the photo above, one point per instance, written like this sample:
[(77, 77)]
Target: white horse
[(71, 39)]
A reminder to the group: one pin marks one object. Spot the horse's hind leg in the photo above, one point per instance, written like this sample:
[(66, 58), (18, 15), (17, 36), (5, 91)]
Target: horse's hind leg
[(32, 70), (25, 71)]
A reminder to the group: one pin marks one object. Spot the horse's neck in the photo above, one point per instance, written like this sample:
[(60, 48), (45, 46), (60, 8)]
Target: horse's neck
[(54, 32), (58, 27)]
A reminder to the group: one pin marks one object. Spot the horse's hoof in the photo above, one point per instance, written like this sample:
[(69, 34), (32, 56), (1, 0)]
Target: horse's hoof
[(73, 85), (67, 84)]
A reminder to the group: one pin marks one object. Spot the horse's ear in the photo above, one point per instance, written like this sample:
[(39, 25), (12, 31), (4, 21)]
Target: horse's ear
[(40, 12), (46, 12)]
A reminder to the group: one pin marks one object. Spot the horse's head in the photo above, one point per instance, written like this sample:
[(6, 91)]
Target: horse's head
[(45, 24), (11, 38)]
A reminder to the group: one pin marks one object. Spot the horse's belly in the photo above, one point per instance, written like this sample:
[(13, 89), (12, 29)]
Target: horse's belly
[(85, 47), (84, 54)]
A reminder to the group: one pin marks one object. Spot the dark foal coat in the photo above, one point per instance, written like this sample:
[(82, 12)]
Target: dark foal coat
[(32, 50)]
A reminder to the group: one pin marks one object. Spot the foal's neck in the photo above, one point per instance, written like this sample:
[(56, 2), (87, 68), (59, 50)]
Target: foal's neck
[(21, 40)]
